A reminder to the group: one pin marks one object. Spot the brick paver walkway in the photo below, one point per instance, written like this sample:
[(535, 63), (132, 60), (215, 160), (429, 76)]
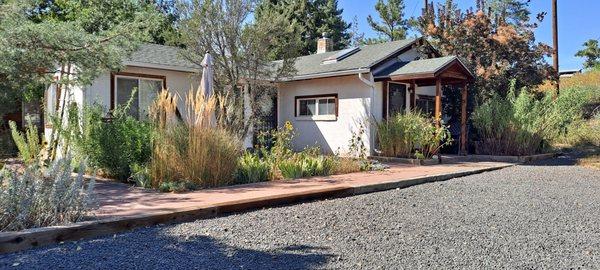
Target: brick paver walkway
[(118, 200)]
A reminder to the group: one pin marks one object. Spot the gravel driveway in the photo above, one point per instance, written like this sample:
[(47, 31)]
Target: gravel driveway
[(545, 215)]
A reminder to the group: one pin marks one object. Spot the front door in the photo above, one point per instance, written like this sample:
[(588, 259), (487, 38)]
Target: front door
[(396, 98)]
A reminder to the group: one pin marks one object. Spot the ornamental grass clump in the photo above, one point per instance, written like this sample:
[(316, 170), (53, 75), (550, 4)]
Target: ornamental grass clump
[(525, 124), (41, 197), (197, 151), (411, 134)]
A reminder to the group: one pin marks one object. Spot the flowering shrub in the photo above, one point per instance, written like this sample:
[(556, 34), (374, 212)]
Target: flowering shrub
[(43, 197)]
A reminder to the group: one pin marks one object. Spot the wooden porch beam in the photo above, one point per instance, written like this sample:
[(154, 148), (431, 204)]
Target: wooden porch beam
[(438, 101), (463, 121)]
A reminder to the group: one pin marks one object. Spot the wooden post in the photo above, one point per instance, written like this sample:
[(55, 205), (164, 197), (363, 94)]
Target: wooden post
[(555, 44), (438, 101), (384, 112), (463, 121), (413, 96)]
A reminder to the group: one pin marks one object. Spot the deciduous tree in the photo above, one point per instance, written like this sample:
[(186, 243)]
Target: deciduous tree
[(242, 50), (498, 44)]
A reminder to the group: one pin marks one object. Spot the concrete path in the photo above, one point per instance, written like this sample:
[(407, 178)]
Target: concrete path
[(121, 200)]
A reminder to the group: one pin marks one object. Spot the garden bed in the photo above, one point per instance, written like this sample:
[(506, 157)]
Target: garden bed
[(413, 161)]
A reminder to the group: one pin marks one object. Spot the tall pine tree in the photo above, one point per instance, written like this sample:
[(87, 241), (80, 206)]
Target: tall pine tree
[(311, 18), (393, 26)]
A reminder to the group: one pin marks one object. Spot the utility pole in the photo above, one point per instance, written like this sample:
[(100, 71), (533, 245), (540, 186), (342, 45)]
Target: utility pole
[(555, 41)]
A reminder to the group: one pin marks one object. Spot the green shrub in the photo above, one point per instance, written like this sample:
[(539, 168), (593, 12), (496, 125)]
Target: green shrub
[(406, 134), (252, 169), (29, 144), (115, 145), (140, 176), (290, 169), (583, 132), (111, 145), (525, 124), (176, 186), (43, 197)]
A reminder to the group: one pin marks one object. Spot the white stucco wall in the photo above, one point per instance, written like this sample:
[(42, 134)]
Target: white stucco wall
[(99, 91), (177, 81), (68, 95), (354, 101)]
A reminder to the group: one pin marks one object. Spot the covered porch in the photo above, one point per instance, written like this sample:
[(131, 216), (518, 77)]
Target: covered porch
[(419, 85)]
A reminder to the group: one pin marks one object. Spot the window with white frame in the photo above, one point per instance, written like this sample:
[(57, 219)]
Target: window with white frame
[(143, 89), (317, 107)]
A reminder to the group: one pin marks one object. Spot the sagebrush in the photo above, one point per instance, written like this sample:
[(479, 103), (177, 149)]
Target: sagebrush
[(41, 197)]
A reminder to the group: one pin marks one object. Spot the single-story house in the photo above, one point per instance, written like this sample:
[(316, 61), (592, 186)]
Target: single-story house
[(333, 93), (149, 69), (329, 97)]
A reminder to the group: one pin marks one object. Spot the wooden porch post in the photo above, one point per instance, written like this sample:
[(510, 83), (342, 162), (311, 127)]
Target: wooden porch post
[(463, 121), (384, 112), (438, 101), (413, 95)]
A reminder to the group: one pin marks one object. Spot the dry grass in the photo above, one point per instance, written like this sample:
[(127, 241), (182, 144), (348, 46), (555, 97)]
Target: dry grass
[(197, 151), (344, 165), (590, 162), (591, 159), (590, 78)]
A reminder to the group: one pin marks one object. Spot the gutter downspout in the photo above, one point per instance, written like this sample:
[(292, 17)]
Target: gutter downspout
[(371, 83)]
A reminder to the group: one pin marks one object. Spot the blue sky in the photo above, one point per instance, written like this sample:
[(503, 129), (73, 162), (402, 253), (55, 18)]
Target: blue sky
[(578, 21)]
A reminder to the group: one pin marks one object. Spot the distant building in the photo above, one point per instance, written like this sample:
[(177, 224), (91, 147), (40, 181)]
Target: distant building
[(569, 73)]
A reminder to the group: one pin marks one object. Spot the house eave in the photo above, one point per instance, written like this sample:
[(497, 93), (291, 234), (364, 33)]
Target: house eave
[(160, 66), (326, 74)]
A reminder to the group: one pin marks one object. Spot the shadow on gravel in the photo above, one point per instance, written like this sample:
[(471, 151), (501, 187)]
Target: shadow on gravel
[(156, 250), (565, 160)]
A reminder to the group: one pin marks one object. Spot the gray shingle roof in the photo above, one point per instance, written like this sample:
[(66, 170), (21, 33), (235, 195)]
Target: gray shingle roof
[(368, 56), (424, 65), (167, 56)]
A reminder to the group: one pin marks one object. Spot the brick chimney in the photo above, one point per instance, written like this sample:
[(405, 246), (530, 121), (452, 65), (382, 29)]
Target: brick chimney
[(324, 44)]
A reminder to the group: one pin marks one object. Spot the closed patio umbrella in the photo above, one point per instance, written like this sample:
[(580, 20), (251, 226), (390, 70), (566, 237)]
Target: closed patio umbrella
[(206, 84)]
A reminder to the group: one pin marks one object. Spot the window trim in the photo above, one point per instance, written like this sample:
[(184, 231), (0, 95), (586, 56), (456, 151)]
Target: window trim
[(113, 83), (427, 98), (387, 97), (316, 117)]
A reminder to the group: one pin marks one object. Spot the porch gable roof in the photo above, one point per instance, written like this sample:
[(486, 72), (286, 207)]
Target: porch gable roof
[(431, 68)]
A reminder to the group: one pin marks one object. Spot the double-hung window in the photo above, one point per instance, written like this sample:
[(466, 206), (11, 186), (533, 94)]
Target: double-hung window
[(141, 90), (316, 107)]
